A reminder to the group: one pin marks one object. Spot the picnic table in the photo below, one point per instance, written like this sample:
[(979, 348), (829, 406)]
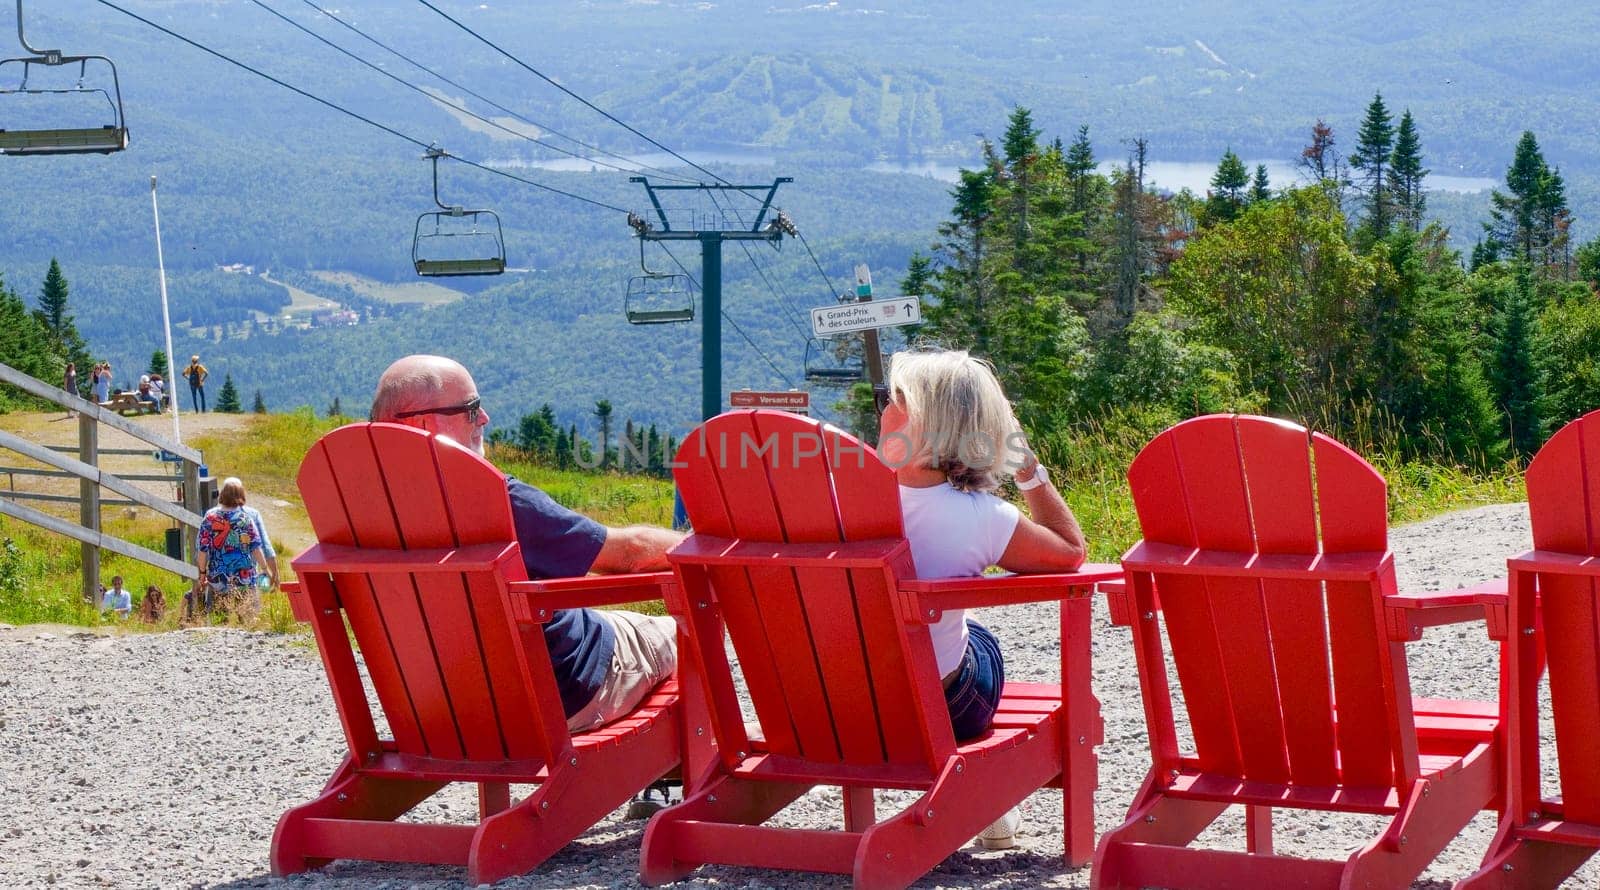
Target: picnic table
[(124, 402)]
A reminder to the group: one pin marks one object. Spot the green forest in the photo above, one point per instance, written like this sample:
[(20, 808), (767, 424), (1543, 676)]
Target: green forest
[(1339, 303)]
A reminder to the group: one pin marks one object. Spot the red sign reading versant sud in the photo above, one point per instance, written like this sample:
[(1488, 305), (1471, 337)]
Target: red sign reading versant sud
[(799, 402)]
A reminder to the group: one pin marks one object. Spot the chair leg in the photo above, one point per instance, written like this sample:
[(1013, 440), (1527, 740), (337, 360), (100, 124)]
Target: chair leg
[(1435, 812), (1258, 829), (859, 808), (493, 797), (724, 800), (1514, 863), (1153, 819), (570, 802), (970, 793), (348, 795)]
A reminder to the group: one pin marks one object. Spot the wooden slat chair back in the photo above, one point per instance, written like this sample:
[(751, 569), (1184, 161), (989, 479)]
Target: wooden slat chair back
[(1265, 557), (1555, 602), (836, 676), (799, 555), (417, 555)]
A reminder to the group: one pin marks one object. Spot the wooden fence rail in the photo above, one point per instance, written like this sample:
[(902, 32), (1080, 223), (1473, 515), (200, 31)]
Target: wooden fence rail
[(91, 478)]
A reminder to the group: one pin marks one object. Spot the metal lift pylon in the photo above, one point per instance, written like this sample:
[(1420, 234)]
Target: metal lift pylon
[(710, 239)]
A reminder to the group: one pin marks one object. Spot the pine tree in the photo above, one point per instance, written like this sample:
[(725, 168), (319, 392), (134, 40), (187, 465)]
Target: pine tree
[(228, 398), (1021, 142), (158, 364), (1515, 379), (1554, 221), (53, 300), (260, 404), (1406, 174), (335, 409), (1260, 189), (1374, 145), (58, 322), (1228, 189), (24, 345), (1514, 215)]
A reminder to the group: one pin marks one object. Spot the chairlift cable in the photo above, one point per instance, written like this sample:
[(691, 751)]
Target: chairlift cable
[(770, 363), (637, 167), (347, 112), (547, 79), (825, 278), (413, 87), (794, 313)]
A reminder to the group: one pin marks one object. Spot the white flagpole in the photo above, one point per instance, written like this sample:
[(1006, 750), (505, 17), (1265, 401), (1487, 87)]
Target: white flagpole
[(166, 318)]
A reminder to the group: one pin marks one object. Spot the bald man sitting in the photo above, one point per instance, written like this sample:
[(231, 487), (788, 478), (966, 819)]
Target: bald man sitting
[(605, 661)]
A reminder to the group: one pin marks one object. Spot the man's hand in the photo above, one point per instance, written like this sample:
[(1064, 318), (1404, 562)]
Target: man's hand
[(635, 548)]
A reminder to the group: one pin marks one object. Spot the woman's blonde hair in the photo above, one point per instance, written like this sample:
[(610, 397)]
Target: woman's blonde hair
[(959, 419), (232, 492)]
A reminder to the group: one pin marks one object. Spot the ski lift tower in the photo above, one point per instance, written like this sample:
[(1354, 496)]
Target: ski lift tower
[(711, 238)]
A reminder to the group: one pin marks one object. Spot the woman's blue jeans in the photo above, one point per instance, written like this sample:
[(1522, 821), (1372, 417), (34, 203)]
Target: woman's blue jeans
[(975, 693)]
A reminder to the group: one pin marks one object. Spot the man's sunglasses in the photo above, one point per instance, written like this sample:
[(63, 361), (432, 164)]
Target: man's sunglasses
[(472, 408)]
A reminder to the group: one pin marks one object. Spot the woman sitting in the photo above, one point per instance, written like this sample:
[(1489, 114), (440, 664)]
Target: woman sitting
[(951, 436)]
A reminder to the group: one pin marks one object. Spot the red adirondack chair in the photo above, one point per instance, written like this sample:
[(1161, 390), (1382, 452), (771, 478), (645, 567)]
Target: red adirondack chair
[(799, 551), (417, 552), (1273, 578), (1542, 840)]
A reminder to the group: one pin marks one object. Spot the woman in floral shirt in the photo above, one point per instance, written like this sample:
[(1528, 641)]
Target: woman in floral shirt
[(228, 551)]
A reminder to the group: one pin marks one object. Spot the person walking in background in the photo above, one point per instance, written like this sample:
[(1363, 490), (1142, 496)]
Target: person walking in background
[(70, 384), (196, 374), (267, 550), (117, 599), (229, 556)]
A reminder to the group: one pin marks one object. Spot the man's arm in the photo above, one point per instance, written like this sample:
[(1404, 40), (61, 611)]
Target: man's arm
[(635, 548)]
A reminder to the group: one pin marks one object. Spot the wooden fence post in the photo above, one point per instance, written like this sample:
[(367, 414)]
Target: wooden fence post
[(191, 500), (89, 506)]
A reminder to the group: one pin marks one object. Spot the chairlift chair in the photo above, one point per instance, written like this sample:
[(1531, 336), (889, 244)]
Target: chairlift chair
[(454, 241), (826, 366), (658, 297), (60, 140)]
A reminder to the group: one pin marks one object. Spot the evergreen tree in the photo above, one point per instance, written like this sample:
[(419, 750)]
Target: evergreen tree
[(260, 404), (1588, 259), (228, 398), (1515, 379), (25, 345), (1406, 174), (335, 409), (1515, 215), (158, 364), (1260, 188), (1021, 141), (1374, 146), (58, 322), (1228, 190), (1555, 221)]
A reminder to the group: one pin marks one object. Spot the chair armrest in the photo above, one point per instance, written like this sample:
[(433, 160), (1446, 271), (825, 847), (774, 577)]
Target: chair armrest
[(1408, 613), (927, 600), (537, 601), (299, 602)]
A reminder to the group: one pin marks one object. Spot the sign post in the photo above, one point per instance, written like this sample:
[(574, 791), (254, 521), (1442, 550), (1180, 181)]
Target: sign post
[(869, 338)]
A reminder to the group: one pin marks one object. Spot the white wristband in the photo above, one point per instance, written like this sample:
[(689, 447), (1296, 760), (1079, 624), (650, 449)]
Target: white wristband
[(1040, 477)]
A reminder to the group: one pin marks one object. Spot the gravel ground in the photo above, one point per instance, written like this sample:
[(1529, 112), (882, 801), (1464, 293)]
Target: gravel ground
[(164, 760)]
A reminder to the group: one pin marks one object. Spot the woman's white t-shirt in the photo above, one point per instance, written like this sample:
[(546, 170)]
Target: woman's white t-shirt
[(955, 534)]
